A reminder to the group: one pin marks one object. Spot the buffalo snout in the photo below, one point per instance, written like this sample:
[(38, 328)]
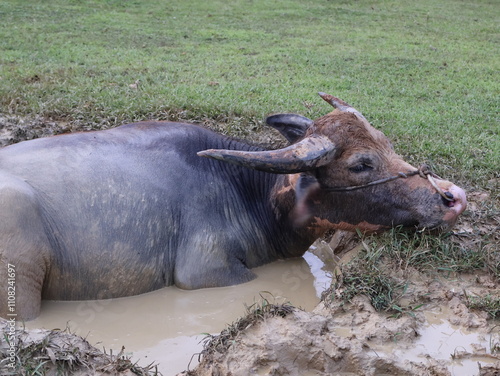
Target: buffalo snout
[(456, 202)]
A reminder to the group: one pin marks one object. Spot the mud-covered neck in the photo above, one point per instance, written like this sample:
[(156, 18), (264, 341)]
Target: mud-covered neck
[(285, 201)]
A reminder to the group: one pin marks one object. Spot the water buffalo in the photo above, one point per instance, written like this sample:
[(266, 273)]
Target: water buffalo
[(129, 210)]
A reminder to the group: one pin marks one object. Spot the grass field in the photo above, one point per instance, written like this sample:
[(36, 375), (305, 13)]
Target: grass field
[(424, 72)]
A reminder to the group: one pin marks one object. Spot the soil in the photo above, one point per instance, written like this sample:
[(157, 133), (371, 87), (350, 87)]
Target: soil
[(354, 339), (335, 338)]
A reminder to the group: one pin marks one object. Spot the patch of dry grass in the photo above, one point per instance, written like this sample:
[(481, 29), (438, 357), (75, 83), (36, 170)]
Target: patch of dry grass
[(43, 352)]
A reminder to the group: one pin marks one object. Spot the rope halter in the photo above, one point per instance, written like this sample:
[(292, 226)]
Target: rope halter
[(423, 171)]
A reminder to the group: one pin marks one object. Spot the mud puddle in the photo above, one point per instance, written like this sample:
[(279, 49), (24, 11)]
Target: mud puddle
[(462, 348), (458, 348), (166, 326)]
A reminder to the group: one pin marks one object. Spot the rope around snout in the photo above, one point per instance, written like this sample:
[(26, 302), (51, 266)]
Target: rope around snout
[(423, 171)]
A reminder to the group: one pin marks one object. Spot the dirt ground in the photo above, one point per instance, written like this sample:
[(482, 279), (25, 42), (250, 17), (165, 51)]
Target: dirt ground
[(354, 339), (334, 339)]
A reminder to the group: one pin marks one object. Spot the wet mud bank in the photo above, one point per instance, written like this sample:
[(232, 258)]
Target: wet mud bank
[(442, 338), (440, 332)]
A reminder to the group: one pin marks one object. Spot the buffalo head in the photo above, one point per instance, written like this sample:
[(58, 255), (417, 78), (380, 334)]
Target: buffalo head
[(341, 173)]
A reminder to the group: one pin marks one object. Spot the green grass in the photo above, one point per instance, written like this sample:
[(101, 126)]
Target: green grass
[(383, 269), (423, 71), (424, 252), (364, 276), (487, 303)]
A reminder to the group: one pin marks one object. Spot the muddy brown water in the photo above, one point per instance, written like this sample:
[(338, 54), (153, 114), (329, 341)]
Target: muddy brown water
[(167, 325)]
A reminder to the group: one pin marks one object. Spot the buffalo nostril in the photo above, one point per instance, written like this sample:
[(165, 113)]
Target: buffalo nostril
[(449, 195), (448, 199)]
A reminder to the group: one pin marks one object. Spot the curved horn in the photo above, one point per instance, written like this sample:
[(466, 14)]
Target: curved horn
[(340, 104), (305, 155)]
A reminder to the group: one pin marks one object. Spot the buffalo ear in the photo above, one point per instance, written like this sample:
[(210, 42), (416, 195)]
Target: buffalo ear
[(292, 126), (306, 187)]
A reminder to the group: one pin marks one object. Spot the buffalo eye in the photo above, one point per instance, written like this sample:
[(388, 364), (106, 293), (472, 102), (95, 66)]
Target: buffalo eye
[(362, 167)]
